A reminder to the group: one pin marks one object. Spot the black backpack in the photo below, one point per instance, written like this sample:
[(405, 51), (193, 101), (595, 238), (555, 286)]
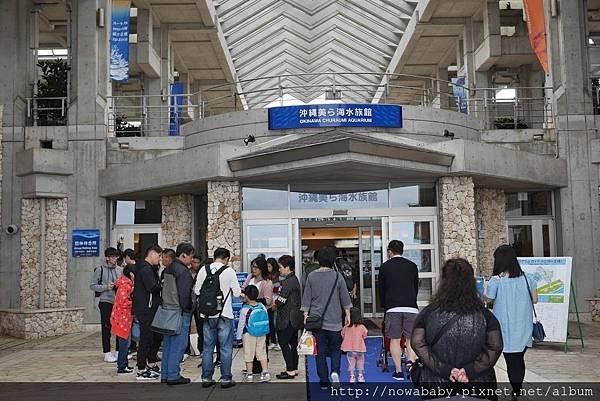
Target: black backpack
[(207, 302), (345, 268)]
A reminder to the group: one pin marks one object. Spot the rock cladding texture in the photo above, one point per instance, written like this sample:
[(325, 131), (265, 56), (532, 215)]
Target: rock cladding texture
[(176, 222), (55, 269), (224, 219), (41, 323), (490, 217), (457, 219), (595, 309)]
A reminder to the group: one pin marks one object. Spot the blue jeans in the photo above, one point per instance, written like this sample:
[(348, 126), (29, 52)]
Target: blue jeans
[(328, 343), (221, 329), (173, 349), (123, 350)]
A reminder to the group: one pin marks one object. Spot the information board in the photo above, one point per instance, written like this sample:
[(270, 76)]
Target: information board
[(335, 115), (85, 243), (236, 303), (553, 277)]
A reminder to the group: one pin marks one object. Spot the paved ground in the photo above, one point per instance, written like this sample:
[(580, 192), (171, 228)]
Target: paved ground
[(76, 358)]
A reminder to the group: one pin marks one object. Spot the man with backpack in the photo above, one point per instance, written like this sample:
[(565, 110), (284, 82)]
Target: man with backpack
[(253, 328), (103, 284), (215, 285), (177, 294)]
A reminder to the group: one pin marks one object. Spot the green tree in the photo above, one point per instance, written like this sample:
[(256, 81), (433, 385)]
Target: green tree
[(53, 83)]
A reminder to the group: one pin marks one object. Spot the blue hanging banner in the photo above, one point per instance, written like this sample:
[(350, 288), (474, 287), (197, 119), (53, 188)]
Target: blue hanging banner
[(335, 115), (85, 243), (460, 94), (119, 40)]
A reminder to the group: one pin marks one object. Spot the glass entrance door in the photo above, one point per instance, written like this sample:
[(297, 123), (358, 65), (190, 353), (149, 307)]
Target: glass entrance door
[(370, 259), (532, 237)]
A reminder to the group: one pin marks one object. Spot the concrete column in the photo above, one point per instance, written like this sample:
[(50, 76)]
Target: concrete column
[(443, 89), (457, 219), (14, 59), (224, 219), (158, 88), (176, 224), (30, 253), (490, 218), (89, 69), (579, 213)]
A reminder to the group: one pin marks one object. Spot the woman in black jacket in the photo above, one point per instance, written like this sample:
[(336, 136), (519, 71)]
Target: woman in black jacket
[(469, 341), (289, 317)]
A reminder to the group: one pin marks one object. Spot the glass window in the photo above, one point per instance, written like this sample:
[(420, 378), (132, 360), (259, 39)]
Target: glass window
[(421, 257), (537, 203), (412, 232), (268, 236), (521, 238), (138, 212), (425, 289), (265, 198), (413, 195), (546, 239)]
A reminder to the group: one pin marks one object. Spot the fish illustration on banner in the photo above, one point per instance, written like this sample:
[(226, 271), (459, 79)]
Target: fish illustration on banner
[(119, 41)]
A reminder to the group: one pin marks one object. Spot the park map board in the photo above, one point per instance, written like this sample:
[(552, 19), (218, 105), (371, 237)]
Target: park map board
[(553, 278)]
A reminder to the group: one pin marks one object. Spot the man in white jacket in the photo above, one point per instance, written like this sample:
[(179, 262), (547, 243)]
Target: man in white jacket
[(219, 326)]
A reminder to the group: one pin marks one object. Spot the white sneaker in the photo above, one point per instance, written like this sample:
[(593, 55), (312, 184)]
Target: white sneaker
[(185, 356), (265, 377), (335, 380), (109, 357)]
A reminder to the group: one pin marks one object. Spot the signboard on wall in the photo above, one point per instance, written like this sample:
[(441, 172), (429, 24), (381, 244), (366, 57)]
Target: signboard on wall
[(553, 277), (236, 302), (459, 92), (119, 40), (335, 115), (85, 243)]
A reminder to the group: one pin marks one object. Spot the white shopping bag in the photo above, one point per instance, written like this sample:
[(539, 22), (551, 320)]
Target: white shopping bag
[(307, 344)]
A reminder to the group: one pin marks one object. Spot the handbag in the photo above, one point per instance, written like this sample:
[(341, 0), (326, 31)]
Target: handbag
[(307, 344), (315, 322), (538, 332), (167, 321), (418, 367)]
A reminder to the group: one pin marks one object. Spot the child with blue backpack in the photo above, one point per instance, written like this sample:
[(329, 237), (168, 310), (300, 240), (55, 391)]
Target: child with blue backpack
[(254, 333)]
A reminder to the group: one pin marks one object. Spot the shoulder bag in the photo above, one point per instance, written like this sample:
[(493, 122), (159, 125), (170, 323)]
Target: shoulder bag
[(315, 322), (538, 332), (416, 372)]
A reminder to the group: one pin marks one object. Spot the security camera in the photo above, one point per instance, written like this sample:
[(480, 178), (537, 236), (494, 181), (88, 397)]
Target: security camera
[(12, 229), (249, 139)]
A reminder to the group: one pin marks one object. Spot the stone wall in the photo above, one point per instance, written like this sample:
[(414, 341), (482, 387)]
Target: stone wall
[(224, 219), (457, 219), (490, 217), (176, 219), (34, 323), (56, 253), (1, 152), (30, 252), (595, 309)]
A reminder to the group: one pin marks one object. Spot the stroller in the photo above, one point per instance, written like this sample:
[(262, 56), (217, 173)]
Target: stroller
[(385, 351)]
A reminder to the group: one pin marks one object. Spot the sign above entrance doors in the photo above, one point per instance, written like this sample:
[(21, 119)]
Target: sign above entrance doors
[(335, 115)]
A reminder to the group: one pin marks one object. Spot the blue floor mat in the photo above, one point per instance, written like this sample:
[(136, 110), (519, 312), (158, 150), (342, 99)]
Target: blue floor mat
[(378, 384)]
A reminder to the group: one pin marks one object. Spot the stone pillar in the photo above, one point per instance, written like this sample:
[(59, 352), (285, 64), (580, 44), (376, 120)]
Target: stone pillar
[(457, 219), (158, 88), (490, 220), (224, 219), (176, 222), (43, 263)]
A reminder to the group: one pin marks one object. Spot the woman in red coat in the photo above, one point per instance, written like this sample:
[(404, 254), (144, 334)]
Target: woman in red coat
[(121, 318)]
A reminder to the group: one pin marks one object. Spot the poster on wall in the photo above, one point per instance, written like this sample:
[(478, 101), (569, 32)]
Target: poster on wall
[(459, 92), (553, 278), (119, 40), (85, 243)]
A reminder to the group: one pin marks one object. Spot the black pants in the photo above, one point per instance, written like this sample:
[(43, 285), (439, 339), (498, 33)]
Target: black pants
[(288, 341), (105, 311), (515, 366), (149, 342), (200, 330), (272, 336)]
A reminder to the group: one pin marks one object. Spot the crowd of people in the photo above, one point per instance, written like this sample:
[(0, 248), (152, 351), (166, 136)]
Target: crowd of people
[(455, 340)]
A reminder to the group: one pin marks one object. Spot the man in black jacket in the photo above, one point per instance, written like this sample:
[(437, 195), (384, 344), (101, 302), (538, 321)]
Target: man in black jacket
[(398, 288), (146, 298), (177, 294)]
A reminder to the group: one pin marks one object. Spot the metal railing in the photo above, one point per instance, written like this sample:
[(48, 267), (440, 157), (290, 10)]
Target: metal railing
[(144, 115), (47, 110)]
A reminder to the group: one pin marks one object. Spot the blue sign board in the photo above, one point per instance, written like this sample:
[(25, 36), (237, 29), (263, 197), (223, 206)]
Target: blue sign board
[(85, 243), (175, 108), (236, 304), (119, 41), (459, 92), (335, 115)]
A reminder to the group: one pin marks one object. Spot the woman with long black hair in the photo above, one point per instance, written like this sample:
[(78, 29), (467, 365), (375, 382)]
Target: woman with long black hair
[(457, 340), (514, 294)]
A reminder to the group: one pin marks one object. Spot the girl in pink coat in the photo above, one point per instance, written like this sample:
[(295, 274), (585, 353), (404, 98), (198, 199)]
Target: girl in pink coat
[(121, 319), (354, 345)]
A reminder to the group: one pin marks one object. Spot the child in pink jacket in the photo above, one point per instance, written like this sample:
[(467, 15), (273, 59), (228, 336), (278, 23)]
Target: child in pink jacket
[(354, 345)]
